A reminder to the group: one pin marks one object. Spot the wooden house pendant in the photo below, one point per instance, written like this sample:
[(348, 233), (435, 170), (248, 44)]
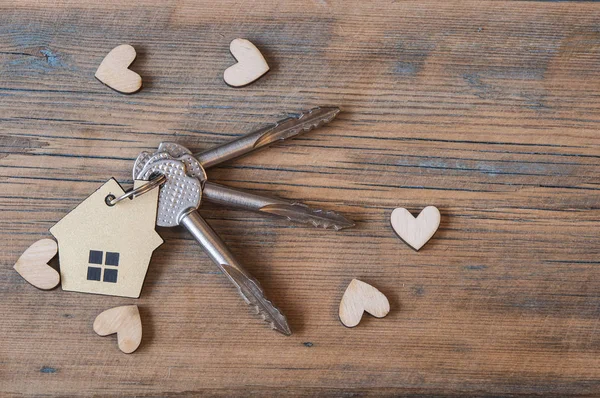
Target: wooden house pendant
[(106, 249)]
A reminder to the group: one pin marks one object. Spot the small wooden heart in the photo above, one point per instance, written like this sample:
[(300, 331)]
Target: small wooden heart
[(251, 64), (33, 264), (360, 297), (415, 231), (114, 72), (125, 321)]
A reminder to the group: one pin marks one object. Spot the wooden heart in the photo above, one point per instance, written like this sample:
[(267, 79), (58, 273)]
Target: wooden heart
[(415, 231), (33, 264), (114, 73), (358, 298), (251, 64), (125, 321)]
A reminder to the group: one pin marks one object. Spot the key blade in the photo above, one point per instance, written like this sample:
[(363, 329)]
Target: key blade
[(253, 295), (292, 126), (284, 129), (293, 211), (299, 212), (247, 286)]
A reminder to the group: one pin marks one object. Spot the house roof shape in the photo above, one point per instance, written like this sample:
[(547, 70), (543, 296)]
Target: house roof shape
[(107, 249)]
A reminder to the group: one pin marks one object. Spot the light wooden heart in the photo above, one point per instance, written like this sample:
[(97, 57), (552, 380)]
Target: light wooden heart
[(416, 231), (114, 72), (33, 264), (251, 64), (361, 297), (125, 321)]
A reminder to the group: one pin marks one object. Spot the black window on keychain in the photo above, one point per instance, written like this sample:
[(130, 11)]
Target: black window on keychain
[(111, 260)]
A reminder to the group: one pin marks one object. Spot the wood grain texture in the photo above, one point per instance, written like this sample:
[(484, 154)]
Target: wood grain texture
[(487, 110)]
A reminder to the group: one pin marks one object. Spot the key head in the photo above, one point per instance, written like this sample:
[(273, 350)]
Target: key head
[(179, 195), (140, 163), (170, 150), (182, 192), (165, 149), (173, 149)]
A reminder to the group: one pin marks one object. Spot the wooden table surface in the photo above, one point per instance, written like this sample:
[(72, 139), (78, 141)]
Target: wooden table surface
[(487, 110)]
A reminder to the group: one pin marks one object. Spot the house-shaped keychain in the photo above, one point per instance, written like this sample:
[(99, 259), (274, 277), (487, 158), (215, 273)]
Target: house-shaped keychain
[(106, 249)]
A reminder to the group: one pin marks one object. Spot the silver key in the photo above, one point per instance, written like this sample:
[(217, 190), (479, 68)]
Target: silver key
[(179, 195), (179, 198), (282, 130)]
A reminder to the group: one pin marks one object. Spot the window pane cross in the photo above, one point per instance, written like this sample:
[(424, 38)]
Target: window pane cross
[(110, 260)]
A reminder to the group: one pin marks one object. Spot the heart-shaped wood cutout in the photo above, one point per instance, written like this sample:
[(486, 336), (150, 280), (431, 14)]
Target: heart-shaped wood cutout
[(125, 321), (361, 297), (33, 264), (114, 73), (251, 64), (416, 231)]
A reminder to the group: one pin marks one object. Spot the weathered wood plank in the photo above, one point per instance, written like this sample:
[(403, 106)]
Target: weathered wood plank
[(487, 110)]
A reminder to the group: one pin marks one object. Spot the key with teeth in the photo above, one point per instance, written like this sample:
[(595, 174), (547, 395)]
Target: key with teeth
[(187, 185), (179, 198)]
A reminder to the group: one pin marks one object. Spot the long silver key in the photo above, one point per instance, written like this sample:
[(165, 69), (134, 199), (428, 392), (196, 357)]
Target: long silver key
[(282, 130), (293, 211), (179, 198)]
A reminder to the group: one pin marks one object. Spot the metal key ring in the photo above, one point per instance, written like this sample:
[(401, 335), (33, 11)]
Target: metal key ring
[(132, 193)]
